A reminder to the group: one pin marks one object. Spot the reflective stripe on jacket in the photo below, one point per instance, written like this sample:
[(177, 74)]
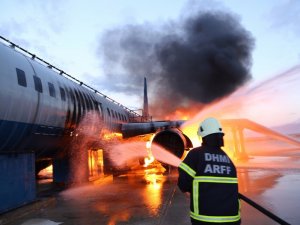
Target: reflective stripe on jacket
[(212, 195)]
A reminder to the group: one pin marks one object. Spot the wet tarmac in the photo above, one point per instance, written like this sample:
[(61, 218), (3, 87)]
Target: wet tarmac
[(146, 196)]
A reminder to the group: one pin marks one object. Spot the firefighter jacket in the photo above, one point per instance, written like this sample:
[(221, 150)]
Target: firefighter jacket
[(209, 175)]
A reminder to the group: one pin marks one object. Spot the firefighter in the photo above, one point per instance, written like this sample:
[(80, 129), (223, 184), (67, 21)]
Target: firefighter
[(210, 178)]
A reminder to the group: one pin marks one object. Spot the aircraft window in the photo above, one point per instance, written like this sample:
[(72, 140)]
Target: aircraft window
[(38, 84), (108, 112), (62, 94), (21, 77), (51, 90)]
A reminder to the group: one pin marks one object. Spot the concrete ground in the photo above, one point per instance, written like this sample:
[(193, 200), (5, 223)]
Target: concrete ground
[(146, 196)]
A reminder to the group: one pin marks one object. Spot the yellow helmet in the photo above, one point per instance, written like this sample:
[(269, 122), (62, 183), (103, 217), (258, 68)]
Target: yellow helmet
[(209, 126)]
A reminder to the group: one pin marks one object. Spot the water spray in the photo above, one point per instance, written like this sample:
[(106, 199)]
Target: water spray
[(138, 149)]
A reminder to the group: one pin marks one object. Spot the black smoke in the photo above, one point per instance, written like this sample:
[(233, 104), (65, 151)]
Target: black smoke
[(195, 60)]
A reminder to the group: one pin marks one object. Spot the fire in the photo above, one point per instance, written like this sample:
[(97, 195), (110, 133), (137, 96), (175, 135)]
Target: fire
[(179, 114), (149, 159), (96, 163), (153, 180), (47, 172), (185, 113), (191, 132), (153, 191), (107, 135)]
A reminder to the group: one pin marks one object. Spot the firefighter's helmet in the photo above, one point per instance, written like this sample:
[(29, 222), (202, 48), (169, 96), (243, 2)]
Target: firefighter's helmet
[(209, 126)]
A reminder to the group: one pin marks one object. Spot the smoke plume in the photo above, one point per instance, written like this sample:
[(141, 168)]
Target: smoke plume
[(192, 61)]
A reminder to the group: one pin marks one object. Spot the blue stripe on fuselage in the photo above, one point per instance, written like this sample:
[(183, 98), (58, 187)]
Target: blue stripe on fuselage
[(18, 136)]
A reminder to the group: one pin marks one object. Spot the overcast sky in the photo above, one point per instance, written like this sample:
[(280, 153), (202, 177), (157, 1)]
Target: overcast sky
[(67, 33)]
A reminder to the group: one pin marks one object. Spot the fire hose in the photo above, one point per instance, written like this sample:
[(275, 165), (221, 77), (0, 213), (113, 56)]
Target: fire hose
[(266, 212), (263, 210)]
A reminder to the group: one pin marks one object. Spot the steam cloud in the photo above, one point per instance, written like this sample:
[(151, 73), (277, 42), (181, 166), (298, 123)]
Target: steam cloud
[(196, 60)]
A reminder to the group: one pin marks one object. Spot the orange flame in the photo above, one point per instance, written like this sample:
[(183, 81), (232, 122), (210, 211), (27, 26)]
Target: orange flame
[(148, 160), (107, 135), (185, 113)]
